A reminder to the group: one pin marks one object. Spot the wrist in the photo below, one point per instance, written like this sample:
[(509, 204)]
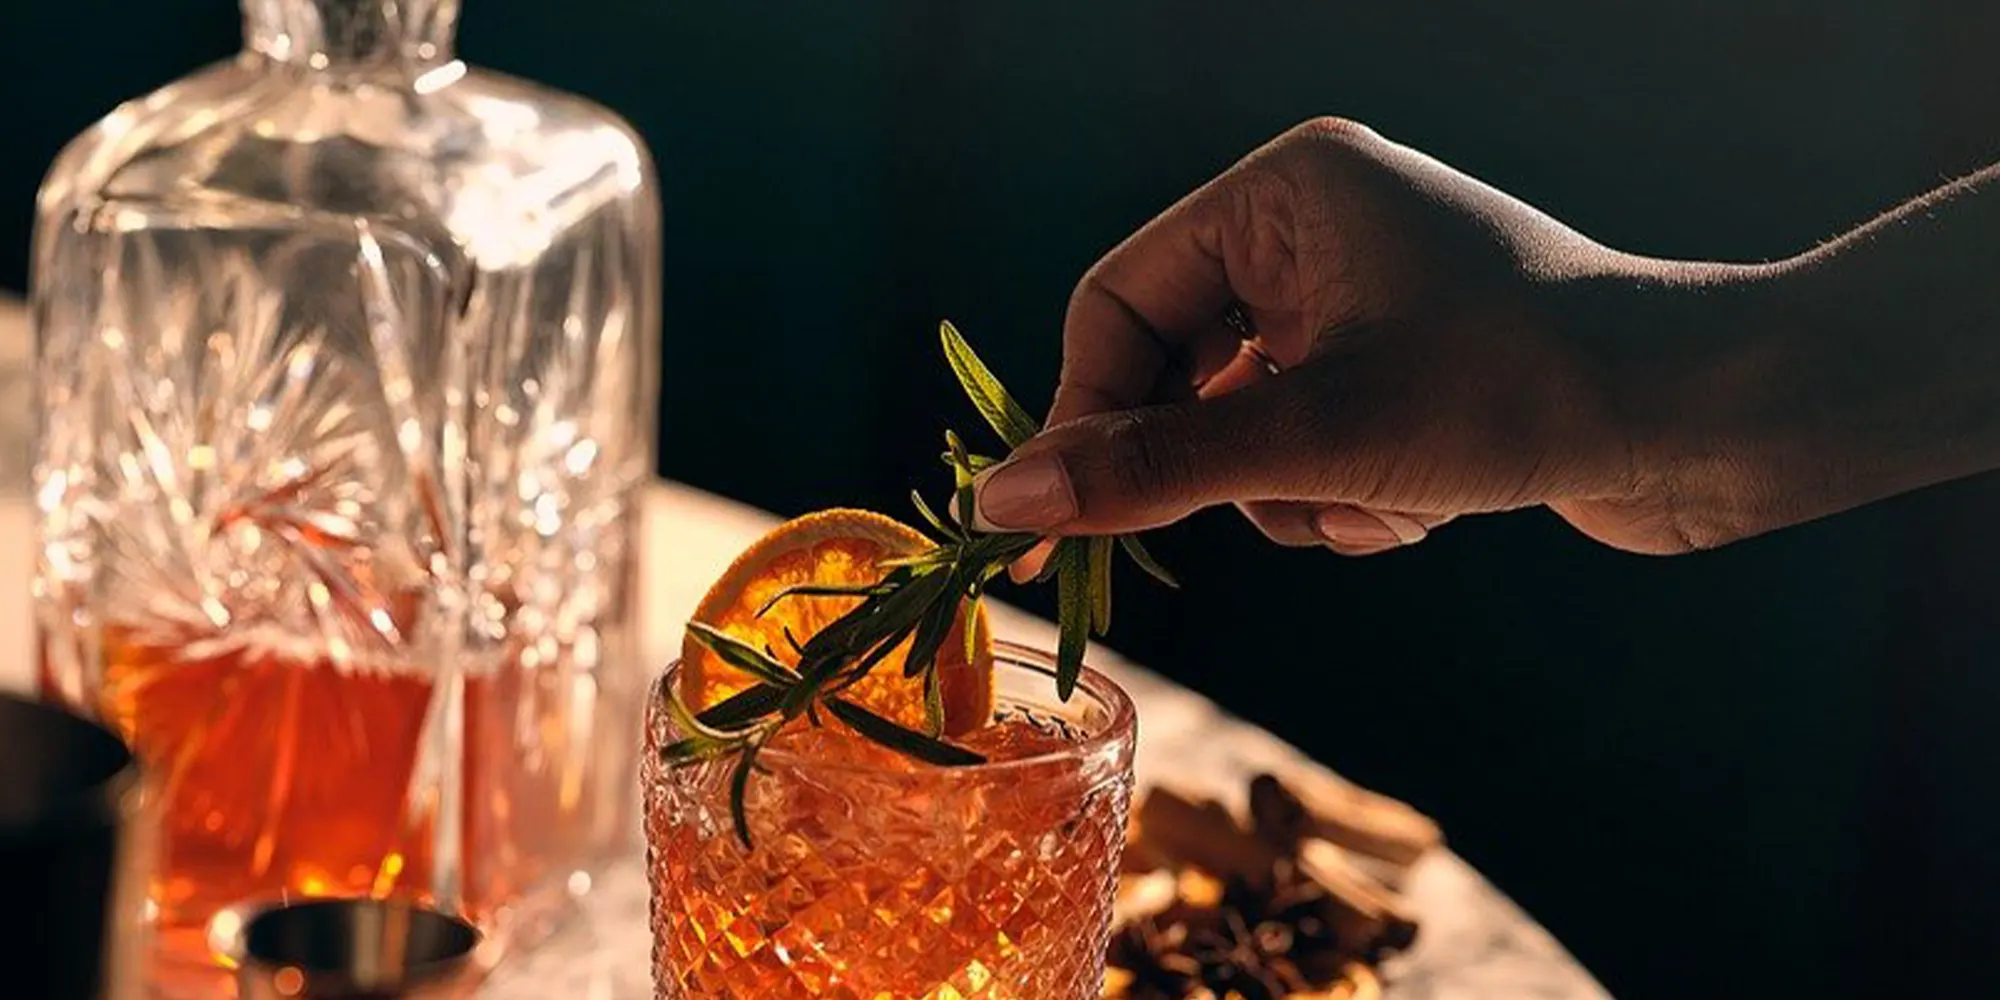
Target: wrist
[(1760, 396), (1690, 379), (1878, 358)]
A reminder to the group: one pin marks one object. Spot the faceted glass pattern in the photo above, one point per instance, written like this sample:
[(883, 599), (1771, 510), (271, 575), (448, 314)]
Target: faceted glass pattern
[(346, 376), (874, 878)]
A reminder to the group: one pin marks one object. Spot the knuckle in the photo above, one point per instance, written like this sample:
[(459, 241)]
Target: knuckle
[(1147, 455), (1331, 127), (1328, 131), (1316, 153), (1089, 287), (1264, 188), (1095, 301)]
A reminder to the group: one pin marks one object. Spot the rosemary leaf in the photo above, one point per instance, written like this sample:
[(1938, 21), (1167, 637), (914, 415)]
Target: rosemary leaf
[(1007, 417), (1055, 560), (961, 470), (1137, 550), (743, 656), (694, 750), (930, 635), (1100, 584), (852, 635), (917, 500), (741, 710), (1000, 549), (687, 722), (908, 742), (898, 612), (821, 590), (1073, 613), (815, 671), (879, 653), (921, 562), (973, 618), (979, 463)]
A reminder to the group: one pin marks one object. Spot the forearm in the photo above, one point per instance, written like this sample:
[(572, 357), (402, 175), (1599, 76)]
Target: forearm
[(1867, 367)]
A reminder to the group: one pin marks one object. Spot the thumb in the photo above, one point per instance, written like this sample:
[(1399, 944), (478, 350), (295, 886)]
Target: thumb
[(1141, 468)]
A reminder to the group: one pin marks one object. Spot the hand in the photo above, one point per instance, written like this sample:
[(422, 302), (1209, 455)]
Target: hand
[(1438, 353)]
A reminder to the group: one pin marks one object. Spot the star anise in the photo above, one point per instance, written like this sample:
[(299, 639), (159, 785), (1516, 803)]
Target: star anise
[(1261, 918), (1235, 960), (1291, 917), (1265, 939), (1151, 953)]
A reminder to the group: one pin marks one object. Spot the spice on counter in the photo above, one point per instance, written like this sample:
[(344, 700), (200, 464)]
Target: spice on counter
[(1267, 910)]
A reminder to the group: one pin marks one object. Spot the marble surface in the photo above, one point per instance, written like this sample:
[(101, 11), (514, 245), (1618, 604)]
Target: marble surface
[(1474, 942)]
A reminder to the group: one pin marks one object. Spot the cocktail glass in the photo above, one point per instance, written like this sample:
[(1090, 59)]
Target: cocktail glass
[(875, 876)]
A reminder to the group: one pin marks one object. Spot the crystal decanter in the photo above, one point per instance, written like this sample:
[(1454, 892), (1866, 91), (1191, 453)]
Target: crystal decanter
[(346, 368)]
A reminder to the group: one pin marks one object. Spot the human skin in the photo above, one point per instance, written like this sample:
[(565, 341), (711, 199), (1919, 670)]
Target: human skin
[(1445, 349)]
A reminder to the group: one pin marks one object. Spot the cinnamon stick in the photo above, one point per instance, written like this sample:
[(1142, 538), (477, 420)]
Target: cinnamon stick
[(1318, 804), (1203, 834), (1375, 917)]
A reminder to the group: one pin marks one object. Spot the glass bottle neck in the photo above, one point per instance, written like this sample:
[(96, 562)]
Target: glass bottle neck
[(323, 34)]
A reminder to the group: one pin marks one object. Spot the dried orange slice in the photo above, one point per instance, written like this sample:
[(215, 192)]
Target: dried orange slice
[(838, 547)]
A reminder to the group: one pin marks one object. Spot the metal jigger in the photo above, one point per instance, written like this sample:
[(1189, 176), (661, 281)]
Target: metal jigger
[(356, 949)]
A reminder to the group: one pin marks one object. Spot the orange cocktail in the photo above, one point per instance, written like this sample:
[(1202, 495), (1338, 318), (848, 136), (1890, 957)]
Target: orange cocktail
[(873, 875)]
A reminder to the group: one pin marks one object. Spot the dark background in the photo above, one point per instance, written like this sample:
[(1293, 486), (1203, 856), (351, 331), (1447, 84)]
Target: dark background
[(1764, 771)]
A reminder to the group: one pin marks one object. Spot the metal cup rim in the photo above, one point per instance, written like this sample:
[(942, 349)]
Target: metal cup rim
[(321, 976)]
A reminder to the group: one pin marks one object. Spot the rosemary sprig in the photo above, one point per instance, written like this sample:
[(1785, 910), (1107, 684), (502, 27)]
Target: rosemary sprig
[(915, 601)]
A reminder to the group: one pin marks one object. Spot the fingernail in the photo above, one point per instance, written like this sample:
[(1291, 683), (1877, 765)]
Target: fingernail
[(1032, 494), (1408, 529), (1357, 528)]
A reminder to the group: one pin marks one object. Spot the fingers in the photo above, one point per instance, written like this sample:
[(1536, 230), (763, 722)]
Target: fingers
[(1361, 531), (1345, 528), (1214, 372), (1162, 291), (1145, 467), (1029, 566), (1288, 523), (1248, 367)]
